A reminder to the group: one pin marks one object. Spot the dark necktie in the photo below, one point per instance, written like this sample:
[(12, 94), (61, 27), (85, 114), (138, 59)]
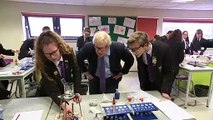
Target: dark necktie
[(150, 67), (102, 74), (62, 69)]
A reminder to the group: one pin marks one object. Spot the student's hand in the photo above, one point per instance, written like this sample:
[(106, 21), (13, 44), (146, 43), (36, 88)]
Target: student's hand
[(165, 95), (88, 75), (77, 98), (195, 53), (1, 56), (15, 51), (119, 75), (67, 111)]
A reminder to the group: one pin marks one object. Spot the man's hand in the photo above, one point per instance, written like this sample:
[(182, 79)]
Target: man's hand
[(88, 75), (1, 56), (119, 75), (165, 95)]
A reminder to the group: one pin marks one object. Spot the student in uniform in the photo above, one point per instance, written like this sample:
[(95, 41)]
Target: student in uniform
[(84, 38), (51, 50), (155, 69)]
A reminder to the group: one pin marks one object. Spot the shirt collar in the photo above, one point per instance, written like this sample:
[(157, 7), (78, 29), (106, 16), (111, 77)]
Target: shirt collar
[(108, 52), (57, 62), (150, 49)]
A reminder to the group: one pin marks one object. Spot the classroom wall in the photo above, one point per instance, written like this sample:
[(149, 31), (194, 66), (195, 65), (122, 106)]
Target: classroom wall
[(11, 31)]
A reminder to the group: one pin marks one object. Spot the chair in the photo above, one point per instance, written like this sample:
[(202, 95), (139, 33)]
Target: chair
[(85, 86), (184, 78)]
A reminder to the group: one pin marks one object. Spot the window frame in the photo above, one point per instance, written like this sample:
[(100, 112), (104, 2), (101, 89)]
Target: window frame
[(190, 20), (56, 23)]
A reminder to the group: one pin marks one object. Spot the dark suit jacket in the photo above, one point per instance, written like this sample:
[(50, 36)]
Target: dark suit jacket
[(207, 43), (163, 69), (51, 84), (195, 45), (29, 43), (81, 42), (163, 38), (4, 52), (118, 52), (177, 49)]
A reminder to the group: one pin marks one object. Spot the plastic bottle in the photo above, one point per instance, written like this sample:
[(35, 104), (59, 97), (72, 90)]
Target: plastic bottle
[(117, 95)]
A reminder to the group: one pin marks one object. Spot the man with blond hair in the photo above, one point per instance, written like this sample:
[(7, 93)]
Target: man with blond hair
[(104, 57), (154, 59)]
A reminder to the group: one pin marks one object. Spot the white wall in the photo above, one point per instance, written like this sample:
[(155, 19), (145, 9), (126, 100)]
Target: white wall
[(11, 31)]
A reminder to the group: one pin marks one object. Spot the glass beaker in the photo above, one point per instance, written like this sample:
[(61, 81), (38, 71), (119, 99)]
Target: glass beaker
[(68, 90)]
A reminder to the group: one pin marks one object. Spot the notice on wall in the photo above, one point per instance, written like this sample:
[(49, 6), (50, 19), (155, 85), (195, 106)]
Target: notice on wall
[(92, 30), (104, 28), (94, 21), (119, 29), (128, 22), (130, 31), (112, 20), (122, 40)]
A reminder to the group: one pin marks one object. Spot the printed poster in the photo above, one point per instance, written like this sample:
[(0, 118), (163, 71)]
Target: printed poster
[(104, 28), (122, 40), (92, 30), (128, 22), (130, 31), (94, 21), (112, 20), (119, 30)]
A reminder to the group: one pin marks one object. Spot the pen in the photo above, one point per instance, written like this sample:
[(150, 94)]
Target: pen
[(17, 117)]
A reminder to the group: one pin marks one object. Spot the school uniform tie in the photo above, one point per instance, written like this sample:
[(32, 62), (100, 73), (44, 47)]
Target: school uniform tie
[(62, 69), (150, 67), (102, 74)]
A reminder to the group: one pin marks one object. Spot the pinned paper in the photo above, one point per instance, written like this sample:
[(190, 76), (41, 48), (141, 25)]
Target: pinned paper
[(112, 20), (130, 31), (128, 22), (119, 30), (92, 30), (122, 40), (104, 28), (94, 21)]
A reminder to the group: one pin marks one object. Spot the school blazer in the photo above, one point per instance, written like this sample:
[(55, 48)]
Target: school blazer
[(162, 67), (51, 84)]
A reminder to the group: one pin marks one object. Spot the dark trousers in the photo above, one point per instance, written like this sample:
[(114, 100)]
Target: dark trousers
[(4, 93), (5, 83), (111, 85), (148, 86)]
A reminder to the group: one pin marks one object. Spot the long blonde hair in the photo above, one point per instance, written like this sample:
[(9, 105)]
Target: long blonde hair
[(46, 38)]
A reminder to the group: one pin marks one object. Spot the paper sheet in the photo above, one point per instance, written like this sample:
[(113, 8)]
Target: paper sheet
[(112, 20), (5, 73), (31, 115), (172, 111), (94, 21), (104, 28), (128, 22), (119, 29)]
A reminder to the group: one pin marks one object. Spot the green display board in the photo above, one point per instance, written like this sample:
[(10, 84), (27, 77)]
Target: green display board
[(119, 28)]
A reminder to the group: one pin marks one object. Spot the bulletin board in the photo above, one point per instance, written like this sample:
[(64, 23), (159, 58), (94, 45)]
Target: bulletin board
[(119, 28)]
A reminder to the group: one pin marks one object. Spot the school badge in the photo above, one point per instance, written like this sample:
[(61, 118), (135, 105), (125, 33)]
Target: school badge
[(154, 60), (55, 73)]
